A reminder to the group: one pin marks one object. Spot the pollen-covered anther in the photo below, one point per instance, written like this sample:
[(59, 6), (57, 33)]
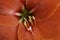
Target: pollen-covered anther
[(26, 24), (33, 17), (30, 20), (30, 28)]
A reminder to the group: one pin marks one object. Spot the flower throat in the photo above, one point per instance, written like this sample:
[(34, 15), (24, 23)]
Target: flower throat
[(27, 18)]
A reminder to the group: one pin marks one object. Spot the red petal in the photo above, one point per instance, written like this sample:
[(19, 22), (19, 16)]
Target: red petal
[(8, 21), (9, 5), (43, 8), (48, 18)]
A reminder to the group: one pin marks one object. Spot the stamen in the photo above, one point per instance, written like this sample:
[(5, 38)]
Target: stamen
[(25, 19), (34, 20), (30, 20), (23, 8), (33, 17), (31, 11), (21, 20), (25, 24), (18, 14), (29, 28)]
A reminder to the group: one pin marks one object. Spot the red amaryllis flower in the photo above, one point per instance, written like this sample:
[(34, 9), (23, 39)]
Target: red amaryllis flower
[(29, 19)]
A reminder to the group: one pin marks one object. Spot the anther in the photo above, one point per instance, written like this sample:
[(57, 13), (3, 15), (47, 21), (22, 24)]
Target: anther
[(25, 24), (29, 28), (33, 17), (30, 20), (34, 20)]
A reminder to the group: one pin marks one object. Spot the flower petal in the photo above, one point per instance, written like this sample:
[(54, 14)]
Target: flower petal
[(8, 21), (47, 15), (9, 5), (31, 3), (43, 8)]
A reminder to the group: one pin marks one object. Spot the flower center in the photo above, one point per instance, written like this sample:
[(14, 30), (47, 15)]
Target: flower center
[(27, 18)]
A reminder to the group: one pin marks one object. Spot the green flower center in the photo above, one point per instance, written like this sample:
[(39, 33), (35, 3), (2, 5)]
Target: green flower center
[(26, 17)]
